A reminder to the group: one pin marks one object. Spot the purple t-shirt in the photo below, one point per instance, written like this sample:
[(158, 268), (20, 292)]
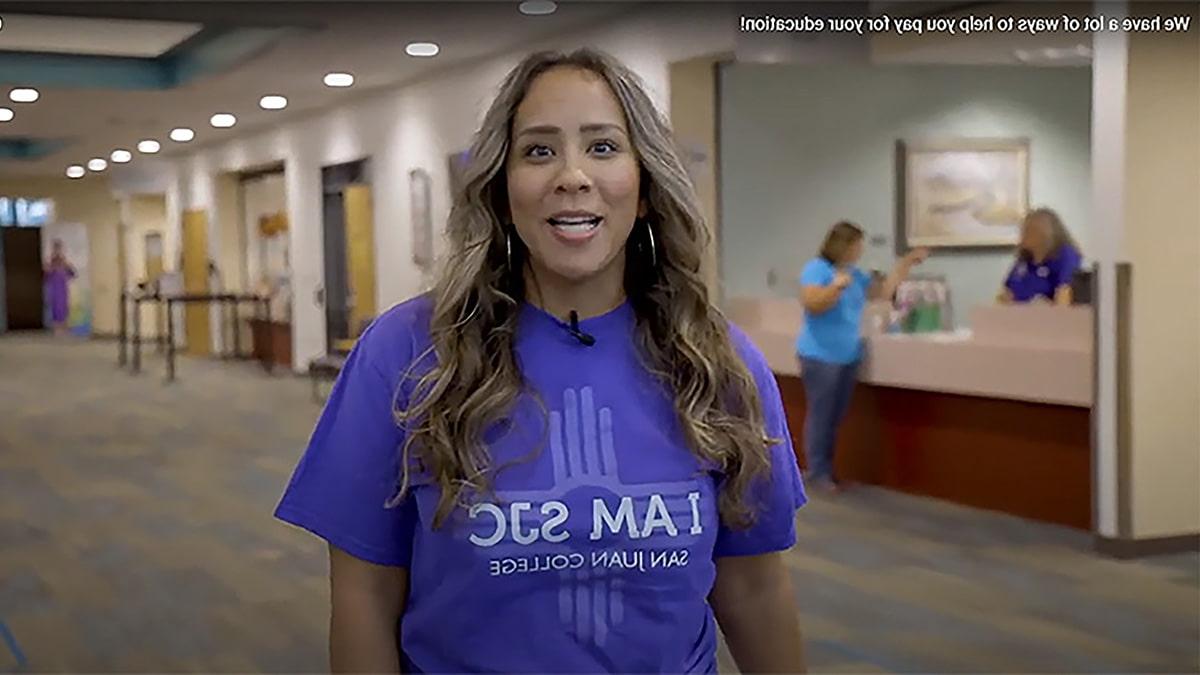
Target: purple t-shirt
[(1027, 280), (596, 553)]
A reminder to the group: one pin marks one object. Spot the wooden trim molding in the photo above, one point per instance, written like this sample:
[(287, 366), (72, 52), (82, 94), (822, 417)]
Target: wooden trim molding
[(1094, 420), (1126, 549), (1124, 281)]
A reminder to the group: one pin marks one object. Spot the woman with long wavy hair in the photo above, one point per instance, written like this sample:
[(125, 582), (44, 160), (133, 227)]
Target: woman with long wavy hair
[(562, 458), (1046, 262)]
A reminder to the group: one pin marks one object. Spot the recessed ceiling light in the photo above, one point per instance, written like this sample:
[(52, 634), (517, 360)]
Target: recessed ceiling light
[(120, 156), (339, 80), (538, 7), (6, 114), (222, 120), (97, 164), (182, 134), (272, 102), (23, 95), (148, 146), (422, 49), (75, 171)]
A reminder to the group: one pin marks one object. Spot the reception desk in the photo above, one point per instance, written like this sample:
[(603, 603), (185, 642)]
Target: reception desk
[(996, 416)]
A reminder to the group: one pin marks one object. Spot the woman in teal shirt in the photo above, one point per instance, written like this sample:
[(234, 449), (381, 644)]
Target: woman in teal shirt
[(834, 292)]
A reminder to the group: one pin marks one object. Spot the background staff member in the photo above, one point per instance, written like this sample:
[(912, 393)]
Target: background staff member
[(834, 292), (1047, 259)]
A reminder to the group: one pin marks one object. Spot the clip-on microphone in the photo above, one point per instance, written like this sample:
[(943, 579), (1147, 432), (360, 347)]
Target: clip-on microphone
[(583, 337)]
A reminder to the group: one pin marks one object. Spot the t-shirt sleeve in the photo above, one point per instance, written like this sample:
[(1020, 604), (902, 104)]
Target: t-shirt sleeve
[(340, 489), (1068, 263), (815, 273), (1010, 279), (863, 279), (778, 496)]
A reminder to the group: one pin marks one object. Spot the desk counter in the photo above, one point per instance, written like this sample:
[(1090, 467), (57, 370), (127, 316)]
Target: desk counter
[(996, 417), (1035, 354)]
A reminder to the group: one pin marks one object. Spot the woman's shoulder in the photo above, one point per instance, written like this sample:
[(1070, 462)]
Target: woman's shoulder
[(818, 264), (397, 336), (817, 270), (1068, 253)]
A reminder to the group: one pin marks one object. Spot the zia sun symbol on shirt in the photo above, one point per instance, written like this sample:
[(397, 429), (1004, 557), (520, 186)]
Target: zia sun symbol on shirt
[(569, 528)]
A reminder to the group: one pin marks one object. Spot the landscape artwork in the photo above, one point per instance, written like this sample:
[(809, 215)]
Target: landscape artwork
[(963, 192)]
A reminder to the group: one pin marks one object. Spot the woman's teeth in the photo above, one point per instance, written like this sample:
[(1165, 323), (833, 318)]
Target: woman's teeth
[(575, 225)]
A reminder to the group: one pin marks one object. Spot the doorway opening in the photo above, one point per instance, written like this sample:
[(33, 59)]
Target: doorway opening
[(349, 237)]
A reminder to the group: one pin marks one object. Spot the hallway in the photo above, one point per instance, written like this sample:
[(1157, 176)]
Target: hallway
[(136, 535)]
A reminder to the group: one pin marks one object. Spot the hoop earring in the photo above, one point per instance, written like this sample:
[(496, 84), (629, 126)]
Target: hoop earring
[(508, 249), (653, 250)]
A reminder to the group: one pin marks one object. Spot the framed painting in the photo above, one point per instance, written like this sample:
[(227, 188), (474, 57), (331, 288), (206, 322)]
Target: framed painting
[(965, 192), (419, 188)]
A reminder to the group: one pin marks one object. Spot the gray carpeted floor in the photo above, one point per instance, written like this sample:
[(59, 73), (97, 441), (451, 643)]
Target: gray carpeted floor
[(136, 535)]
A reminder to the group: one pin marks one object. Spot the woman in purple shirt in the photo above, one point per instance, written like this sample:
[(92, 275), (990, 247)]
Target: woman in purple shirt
[(1047, 259), (563, 458), (58, 274)]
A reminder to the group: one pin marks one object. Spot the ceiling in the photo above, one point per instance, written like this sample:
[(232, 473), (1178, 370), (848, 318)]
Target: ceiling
[(110, 74), (99, 37)]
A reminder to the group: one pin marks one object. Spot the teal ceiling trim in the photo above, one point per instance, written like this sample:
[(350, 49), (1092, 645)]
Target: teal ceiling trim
[(210, 51), (80, 71), (29, 148), (214, 50)]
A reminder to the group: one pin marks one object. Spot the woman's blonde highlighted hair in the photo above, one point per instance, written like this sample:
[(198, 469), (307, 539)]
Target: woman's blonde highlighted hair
[(1060, 236), (469, 378)]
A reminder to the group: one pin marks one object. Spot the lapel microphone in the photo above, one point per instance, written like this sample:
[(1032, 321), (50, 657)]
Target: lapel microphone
[(583, 337)]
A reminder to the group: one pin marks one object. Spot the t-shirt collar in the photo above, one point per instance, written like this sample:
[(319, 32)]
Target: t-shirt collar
[(620, 318)]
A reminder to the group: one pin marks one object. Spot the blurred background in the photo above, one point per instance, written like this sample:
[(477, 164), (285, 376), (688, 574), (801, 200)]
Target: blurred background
[(204, 203)]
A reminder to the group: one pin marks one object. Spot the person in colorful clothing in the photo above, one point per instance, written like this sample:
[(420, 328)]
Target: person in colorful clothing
[(834, 291), (563, 458), (58, 274)]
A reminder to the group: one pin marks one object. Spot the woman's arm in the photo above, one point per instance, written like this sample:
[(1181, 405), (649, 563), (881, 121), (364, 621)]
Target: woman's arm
[(1069, 267), (367, 602), (1063, 295), (755, 605), (819, 299), (900, 271)]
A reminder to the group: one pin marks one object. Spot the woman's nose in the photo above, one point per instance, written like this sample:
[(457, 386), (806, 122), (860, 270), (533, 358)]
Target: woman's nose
[(573, 177)]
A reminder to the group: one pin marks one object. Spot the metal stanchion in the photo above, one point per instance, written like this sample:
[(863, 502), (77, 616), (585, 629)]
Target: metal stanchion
[(122, 334), (170, 341), (137, 335)]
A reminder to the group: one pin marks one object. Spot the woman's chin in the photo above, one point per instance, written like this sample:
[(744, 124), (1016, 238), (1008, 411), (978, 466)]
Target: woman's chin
[(578, 272)]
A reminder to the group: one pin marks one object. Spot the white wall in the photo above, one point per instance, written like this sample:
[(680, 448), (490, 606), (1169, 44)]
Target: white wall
[(1109, 79), (262, 196), (416, 126), (805, 146), (145, 176), (232, 251), (1162, 237), (142, 215)]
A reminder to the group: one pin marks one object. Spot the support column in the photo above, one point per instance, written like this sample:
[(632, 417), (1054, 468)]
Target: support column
[(1146, 169)]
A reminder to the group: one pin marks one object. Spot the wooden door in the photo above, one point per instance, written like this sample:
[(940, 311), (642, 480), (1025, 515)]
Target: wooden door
[(24, 280), (360, 258), (195, 281)]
